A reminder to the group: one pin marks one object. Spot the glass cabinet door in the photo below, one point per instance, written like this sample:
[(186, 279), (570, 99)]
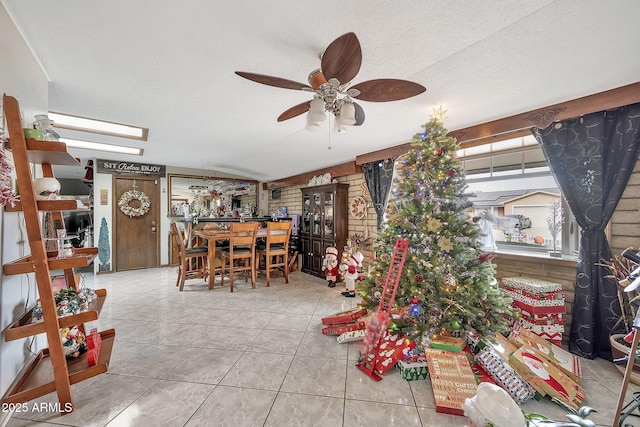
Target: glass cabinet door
[(327, 214), (316, 213), (305, 225)]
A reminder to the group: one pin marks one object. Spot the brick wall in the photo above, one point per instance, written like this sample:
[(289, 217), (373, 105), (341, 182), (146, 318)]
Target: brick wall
[(291, 197), (625, 222)]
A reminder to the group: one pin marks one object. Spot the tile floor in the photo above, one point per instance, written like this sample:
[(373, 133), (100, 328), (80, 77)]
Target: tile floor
[(255, 357)]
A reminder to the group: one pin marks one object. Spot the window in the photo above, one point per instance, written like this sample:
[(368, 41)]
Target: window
[(513, 187)]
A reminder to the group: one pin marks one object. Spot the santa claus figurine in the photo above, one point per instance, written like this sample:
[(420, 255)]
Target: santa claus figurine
[(330, 266), (351, 274)]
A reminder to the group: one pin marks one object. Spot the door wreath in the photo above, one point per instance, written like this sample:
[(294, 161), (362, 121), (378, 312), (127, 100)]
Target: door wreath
[(130, 211)]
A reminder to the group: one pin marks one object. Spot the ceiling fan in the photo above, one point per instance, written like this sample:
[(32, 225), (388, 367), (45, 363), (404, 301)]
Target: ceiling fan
[(330, 84)]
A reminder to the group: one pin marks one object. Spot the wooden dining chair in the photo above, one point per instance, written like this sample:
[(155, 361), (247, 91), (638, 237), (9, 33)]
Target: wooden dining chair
[(276, 249), (193, 263), (241, 252)]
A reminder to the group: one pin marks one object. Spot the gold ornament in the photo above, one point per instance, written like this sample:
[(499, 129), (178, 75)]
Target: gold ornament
[(445, 244), (434, 225)]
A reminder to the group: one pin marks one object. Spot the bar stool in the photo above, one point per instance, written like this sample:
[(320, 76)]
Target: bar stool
[(242, 246), (276, 249), (192, 262)]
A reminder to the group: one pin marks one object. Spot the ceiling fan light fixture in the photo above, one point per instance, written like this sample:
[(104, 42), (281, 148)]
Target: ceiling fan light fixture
[(311, 125), (316, 79), (316, 112), (347, 114), (338, 127)]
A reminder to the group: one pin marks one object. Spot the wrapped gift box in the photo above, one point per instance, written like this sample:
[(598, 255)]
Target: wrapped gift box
[(545, 377), (448, 343), (557, 299), (344, 316), (567, 363), (475, 342), (351, 336), (501, 345), (393, 348), (452, 380), (534, 296), (542, 319), (530, 285), (504, 375), (540, 309), (412, 370), (538, 329), (478, 371), (523, 295), (341, 328)]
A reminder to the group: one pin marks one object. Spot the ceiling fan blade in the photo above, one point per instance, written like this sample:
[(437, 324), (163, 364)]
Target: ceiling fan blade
[(359, 114), (273, 81), (342, 58), (383, 90), (294, 111)]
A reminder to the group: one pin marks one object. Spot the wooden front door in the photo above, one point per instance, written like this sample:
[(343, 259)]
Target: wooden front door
[(137, 239)]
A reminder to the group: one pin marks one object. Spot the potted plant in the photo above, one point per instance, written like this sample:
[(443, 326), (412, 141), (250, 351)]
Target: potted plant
[(619, 269), (578, 418)]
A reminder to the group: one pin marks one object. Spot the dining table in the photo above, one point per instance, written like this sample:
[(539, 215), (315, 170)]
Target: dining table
[(212, 236)]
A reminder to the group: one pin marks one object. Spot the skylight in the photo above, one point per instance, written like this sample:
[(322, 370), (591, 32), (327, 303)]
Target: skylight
[(99, 146), (65, 121)]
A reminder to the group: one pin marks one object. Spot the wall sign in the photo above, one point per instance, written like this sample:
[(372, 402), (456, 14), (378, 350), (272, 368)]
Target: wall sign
[(130, 168)]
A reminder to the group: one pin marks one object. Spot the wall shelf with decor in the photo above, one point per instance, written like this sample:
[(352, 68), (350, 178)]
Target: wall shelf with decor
[(51, 370)]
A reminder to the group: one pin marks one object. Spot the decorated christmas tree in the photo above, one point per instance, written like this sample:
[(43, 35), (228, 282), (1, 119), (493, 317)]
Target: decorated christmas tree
[(447, 283), (104, 250)]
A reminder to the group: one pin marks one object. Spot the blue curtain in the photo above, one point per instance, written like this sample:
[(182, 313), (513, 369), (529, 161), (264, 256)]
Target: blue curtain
[(378, 176), (592, 158)]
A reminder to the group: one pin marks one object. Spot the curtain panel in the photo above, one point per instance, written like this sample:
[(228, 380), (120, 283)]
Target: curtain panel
[(592, 158), (378, 176)]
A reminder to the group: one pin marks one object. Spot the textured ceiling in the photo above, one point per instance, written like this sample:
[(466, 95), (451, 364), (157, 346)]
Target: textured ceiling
[(169, 66)]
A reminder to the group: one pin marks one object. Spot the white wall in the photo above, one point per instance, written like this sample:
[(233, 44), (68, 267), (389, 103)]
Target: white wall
[(22, 78)]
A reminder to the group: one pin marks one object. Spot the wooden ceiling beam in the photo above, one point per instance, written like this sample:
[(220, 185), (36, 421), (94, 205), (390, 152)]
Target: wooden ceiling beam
[(543, 117), (337, 170), (494, 131)]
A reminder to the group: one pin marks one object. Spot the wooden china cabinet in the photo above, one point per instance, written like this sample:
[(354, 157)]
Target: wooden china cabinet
[(50, 370), (324, 223)]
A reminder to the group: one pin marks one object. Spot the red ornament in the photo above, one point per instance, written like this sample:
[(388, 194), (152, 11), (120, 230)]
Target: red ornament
[(439, 152), (451, 172), (415, 300), (419, 278)]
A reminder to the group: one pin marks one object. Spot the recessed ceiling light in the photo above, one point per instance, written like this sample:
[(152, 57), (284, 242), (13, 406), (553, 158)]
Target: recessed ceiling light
[(65, 121), (98, 146)]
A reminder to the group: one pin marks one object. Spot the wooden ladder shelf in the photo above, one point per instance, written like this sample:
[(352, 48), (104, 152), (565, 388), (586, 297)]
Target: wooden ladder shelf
[(50, 370)]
